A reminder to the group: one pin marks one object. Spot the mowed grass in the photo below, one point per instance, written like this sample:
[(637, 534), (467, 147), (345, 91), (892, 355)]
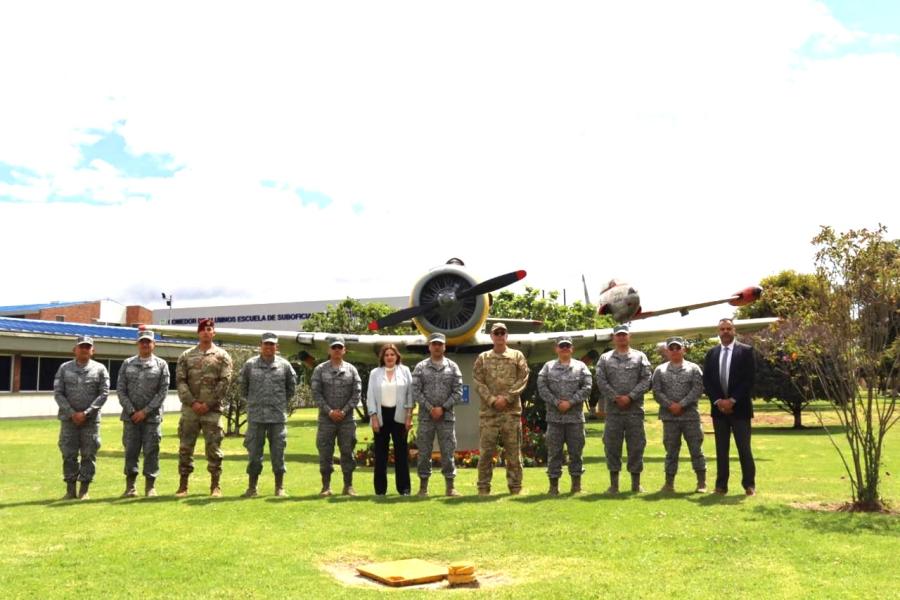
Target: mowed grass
[(631, 546)]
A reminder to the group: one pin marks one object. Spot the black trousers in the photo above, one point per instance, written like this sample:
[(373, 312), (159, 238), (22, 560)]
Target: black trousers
[(396, 431), (724, 426)]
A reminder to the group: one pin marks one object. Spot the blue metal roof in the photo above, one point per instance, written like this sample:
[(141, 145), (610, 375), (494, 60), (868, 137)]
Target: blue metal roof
[(29, 308), (76, 329)]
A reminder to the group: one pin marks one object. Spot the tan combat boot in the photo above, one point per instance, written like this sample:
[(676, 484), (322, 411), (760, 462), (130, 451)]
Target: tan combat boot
[(150, 487), (130, 492), (182, 491), (214, 490), (451, 488), (70, 491), (554, 486), (423, 487), (279, 485), (83, 492), (576, 484), (251, 487)]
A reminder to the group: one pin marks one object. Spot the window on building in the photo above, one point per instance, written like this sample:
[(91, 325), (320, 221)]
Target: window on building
[(5, 373), (47, 372), (28, 374), (60, 318)]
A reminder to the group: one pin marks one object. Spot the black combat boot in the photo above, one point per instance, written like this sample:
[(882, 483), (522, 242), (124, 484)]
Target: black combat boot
[(701, 482), (251, 487), (214, 490), (669, 486), (182, 491), (326, 484), (129, 492), (70, 491), (279, 485), (613, 483), (554, 486), (348, 485), (83, 492), (423, 487), (150, 486), (636, 483), (451, 488), (576, 484)]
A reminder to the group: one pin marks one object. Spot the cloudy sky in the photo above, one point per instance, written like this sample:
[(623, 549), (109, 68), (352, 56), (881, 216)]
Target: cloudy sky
[(252, 152)]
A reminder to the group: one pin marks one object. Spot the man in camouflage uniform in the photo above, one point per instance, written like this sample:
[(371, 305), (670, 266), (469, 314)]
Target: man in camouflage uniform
[(142, 388), (436, 387), (203, 374), (564, 385), (500, 375), (336, 388), (623, 376), (267, 383), (80, 389), (677, 386)]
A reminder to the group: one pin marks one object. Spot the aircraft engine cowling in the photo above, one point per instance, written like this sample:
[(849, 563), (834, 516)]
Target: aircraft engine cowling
[(457, 319), (622, 302)]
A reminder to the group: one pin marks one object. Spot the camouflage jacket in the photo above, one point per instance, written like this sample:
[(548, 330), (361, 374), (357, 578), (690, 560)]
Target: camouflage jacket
[(623, 375), (571, 382), (143, 386), (436, 384), (203, 377), (682, 384), (500, 374), (80, 389), (336, 388), (268, 388)]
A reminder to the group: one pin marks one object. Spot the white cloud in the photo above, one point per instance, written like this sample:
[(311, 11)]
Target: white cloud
[(608, 140)]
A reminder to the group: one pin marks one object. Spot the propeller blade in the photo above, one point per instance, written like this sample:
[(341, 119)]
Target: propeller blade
[(492, 284), (395, 318)]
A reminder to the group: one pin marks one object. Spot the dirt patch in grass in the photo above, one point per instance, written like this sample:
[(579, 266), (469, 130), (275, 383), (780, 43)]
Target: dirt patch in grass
[(846, 507), (346, 574)]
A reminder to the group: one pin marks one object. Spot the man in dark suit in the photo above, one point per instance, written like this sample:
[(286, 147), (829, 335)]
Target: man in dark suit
[(728, 374)]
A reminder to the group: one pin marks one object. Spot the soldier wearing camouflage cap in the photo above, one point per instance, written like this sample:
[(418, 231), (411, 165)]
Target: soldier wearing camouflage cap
[(80, 389), (500, 375), (336, 388), (142, 387), (203, 374), (436, 388), (267, 384), (623, 377), (677, 387)]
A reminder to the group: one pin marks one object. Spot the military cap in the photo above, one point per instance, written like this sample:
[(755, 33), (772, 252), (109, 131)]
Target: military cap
[(437, 337), (497, 326), (269, 338), (146, 334), (621, 329), (338, 341), (563, 340), (675, 341), (205, 322), (81, 340)]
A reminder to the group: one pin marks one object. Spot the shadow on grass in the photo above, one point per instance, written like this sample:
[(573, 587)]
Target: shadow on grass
[(200, 456), (790, 431), (831, 521), (717, 499)]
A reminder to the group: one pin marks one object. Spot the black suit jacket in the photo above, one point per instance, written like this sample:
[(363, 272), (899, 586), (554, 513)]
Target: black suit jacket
[(740, 379)]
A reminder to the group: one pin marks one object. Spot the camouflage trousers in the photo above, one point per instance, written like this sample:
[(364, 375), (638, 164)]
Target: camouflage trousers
[(345, 434), (572, 435), (693, 435), (445, 431), (255, 439), (630, 429), (189, 427), (508, 430), (143, 436), (74, 440)]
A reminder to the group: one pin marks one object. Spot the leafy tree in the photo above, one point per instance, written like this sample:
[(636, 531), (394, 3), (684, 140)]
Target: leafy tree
[(787, 294), (853, 347)]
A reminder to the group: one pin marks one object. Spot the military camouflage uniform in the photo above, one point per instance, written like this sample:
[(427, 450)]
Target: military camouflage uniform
[(433, 385), (202, 377), (684, 385), (500, 374), (268, 386), (142, 385), (80, 389), (571, 382), (336, 388), (624, 375)]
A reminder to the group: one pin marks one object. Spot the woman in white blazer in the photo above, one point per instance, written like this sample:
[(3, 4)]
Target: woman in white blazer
[(389, 402)]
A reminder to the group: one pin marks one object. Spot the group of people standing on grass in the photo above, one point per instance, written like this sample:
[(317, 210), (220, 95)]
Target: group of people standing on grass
[(433, 386)]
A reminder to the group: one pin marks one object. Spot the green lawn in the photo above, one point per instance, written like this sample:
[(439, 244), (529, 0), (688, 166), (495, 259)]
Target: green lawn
[(686, 545)]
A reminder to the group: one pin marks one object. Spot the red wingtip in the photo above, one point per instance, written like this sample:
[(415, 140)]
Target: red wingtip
[(373, 325), (746, 296), (141, 327), (520, 275)]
